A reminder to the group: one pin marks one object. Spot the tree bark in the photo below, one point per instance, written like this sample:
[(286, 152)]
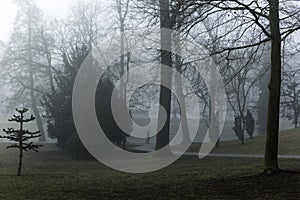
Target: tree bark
[(178, 82), (31, 82), (271, 148), (296, 106), (122, 18), (21, 147), (49, 66), (163, 136)]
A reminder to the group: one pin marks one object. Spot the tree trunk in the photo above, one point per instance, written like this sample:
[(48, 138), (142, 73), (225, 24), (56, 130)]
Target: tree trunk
[(50, 76), (296, 112), (39, 122), (122, 62), (178, 82), (163, 136), (122, 70), (20, 162), (271, 148), (31, 82), (21, 147), (49, 60)]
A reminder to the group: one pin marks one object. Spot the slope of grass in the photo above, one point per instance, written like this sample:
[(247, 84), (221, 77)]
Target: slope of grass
[(51, 174), (289, 144)]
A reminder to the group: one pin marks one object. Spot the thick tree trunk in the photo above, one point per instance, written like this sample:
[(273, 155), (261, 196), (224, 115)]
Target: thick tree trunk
[(185, 130), (296, 108), (31, 82), (178, 82), (50, 76), (163, 136), (49, 72), (49, 60), (122, 18), (36, 112), (122, 70), (271, 149)]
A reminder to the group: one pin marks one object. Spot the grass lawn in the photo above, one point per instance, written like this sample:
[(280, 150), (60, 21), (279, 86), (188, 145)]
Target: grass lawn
[(53, 175), (289, 143)]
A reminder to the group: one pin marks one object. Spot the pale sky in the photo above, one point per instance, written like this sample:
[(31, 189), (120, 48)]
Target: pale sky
[(51, 8)]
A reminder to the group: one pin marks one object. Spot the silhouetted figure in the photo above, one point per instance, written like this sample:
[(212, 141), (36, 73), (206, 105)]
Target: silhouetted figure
[(249, 123), (238, 129), (148, 137)]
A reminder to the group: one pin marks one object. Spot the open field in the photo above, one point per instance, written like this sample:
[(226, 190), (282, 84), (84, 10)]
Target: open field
[(51, 174)]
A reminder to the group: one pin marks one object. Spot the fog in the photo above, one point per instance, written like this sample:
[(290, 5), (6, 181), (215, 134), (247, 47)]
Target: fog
[(187, 99)]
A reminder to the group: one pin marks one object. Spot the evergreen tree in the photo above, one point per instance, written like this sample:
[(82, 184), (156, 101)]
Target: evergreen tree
[(21, 136), (105, 116), (58, 107), (22, 62), (58, 104)]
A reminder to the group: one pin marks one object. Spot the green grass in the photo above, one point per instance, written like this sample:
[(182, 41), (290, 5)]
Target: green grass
[(51, 174), (289, 143)]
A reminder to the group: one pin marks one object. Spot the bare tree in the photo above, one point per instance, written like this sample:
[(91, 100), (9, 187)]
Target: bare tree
[(21, 56), (262, 16), (291, 98)]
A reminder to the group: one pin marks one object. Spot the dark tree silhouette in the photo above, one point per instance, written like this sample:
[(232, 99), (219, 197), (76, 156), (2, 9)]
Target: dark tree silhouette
[(21, 136), (105, 116), (58, 104), (291, 102), (163, 136), (265, 15)]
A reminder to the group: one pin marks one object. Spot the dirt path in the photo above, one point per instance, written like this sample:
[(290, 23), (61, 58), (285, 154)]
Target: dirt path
[(149, 148)]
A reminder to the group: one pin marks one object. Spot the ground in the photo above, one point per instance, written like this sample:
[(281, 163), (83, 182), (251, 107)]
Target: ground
[(289, 144), (51, 174)]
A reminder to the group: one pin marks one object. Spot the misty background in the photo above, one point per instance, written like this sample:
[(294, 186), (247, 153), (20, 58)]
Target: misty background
[(60, 27)]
